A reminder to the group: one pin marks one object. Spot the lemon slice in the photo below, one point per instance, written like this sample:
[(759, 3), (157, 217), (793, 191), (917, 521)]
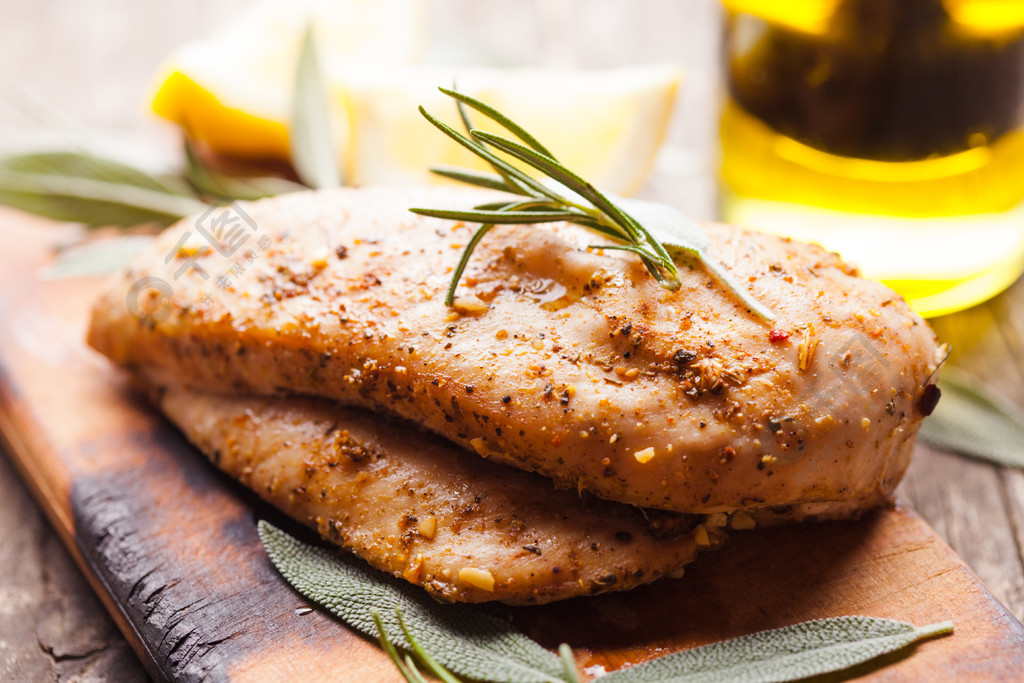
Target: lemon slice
[(233, 92), (605, 125)]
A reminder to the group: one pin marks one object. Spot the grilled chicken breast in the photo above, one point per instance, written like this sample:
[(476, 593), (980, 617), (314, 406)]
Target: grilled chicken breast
[(565, 361), (419, 507)]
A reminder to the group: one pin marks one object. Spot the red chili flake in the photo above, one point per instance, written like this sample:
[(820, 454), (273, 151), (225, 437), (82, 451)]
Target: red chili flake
[(776, 336)]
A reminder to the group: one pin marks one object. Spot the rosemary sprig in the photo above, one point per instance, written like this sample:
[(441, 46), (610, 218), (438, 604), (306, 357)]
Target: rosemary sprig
[(566, 197)]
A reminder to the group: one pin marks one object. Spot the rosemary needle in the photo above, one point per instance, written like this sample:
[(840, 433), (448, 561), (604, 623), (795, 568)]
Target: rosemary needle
[(569, 198)]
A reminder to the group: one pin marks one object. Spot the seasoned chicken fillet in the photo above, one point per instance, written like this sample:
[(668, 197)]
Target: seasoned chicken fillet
[(556, 359), (417, 506)]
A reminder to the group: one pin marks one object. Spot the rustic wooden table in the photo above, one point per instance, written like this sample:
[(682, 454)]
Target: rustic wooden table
[(94, 60)]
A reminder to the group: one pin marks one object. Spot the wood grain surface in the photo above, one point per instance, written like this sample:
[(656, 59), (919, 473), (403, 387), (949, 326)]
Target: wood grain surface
[(169, 543)]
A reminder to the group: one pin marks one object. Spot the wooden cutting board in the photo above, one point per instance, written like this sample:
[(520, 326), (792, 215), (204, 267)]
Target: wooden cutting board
[(170, 544)]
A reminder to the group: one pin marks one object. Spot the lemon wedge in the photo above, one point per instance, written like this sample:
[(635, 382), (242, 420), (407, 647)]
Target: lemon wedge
[(233, 92), (605, 125)]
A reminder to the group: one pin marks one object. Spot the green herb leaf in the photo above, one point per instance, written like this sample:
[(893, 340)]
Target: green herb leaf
[(571, 673), (458, 639), (785, 654), (314, 154), (406, 667), (561, 174), (563, 195), (499, 118), (516, 181), (465, 641), (96, 258), (90, 167), (681, 234), (460, 268), (220, 186), (667, 225), (972, 420), (90, 191), (498, 216), (432, 665), (462, 175)]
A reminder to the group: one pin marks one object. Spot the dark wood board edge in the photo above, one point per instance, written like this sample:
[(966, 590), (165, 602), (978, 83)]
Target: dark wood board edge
[(56, 509)]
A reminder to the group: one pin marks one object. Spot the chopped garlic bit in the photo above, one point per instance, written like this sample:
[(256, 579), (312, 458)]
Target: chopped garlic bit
[(319, 257), (480, 446), (645, 455), (478, 578), (717, 520), (865, 422), (413, 571), (700, 536), (428, 527), (469, 305), (741, 519)]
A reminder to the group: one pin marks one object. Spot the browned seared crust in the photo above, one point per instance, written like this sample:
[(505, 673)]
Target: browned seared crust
[(411, 504), (563, 361)]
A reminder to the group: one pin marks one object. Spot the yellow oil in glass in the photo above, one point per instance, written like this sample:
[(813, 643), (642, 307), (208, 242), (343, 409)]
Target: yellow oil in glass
[(891, 131)]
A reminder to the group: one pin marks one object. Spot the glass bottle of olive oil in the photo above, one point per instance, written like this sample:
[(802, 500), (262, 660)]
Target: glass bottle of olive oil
[(891, 131)]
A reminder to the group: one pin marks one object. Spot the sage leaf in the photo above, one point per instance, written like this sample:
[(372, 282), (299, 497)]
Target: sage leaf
[(666, 224), (463, 640), (96, 258), (972, 420), (91, 167), (314, 154), (680, 234), (469, 643), (92, 202), (80, 187), (785, 654), (220, 186)]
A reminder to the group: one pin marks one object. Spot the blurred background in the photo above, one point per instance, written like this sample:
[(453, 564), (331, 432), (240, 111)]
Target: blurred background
[(888, 131), (99, 63)]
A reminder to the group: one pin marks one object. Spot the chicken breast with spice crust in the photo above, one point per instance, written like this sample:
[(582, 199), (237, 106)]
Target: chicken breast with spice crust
[(419, 507), (565, 361)]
